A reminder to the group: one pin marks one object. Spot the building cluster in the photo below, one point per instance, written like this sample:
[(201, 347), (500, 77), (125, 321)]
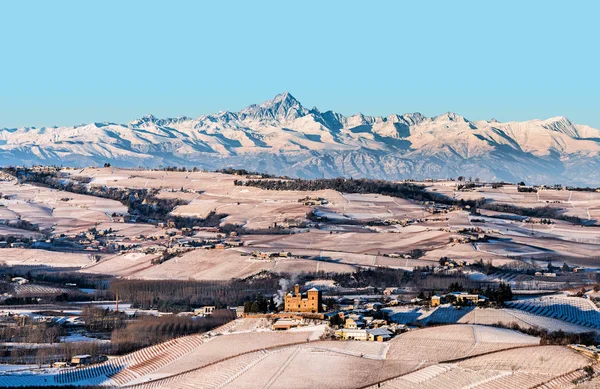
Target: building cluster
[(15, 245), (269, 255), (367, 328), (458, 298)]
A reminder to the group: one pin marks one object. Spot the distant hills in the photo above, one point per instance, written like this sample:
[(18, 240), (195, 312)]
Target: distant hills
[(283, 137)]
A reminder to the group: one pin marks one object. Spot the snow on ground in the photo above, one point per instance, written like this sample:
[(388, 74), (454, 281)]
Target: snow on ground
[(435, 344), (13, 257)]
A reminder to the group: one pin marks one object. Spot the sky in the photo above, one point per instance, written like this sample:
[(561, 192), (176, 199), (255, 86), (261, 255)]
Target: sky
[(73, 62)]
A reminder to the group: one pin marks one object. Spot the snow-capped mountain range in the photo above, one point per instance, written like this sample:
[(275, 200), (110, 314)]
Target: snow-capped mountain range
[(281, 136)]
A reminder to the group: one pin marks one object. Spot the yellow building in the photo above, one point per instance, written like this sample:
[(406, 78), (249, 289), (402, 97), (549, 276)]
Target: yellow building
[(460, 297), (308, 302)]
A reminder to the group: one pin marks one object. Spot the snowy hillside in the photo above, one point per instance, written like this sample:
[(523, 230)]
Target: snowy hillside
[(283, 137)]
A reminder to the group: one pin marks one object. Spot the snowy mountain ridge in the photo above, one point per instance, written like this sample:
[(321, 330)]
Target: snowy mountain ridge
[(282, 136)]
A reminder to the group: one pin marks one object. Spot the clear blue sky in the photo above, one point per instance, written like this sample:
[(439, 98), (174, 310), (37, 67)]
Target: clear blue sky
[(70, 62)]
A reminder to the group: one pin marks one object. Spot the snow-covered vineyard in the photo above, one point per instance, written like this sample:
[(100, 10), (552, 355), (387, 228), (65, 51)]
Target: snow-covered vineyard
[(571, 314), (574, 310), (247, 354)]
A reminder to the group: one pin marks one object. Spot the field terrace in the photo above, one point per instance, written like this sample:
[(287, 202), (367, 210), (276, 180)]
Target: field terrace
[(63, 212), (245, 353), (340, 364), (332, 247), (545, 366), (43, 258), (583, 204), (447, 314)]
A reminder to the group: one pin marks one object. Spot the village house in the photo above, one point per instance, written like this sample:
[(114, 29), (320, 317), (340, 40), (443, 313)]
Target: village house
[(352, 334), (379, 334), (78, 360), (20, 280), (204, 311), (285, 324), (459, 297)]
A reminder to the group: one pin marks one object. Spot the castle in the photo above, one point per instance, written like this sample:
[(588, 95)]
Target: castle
[(309, 302)]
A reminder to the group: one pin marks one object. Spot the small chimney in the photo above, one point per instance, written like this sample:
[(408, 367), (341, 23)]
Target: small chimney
[(296, 289)]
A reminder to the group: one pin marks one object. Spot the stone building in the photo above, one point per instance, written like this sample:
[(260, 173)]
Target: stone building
[(310, 301)]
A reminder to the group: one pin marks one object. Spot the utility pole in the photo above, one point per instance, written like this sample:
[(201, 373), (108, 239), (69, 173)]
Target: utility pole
[(117, 307)]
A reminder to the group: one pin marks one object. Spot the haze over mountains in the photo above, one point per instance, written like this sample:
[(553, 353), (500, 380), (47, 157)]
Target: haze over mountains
[(281, 136)]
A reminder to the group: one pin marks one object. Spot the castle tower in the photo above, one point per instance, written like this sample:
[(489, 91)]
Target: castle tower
[(314, 302)]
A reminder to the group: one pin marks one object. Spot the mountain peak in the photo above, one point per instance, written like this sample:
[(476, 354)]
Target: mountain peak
[(149, 118), (281, 108), (283, 99), (450, 117)]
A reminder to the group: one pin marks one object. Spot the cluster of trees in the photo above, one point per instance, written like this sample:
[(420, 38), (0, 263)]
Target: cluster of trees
[(27, 331), (149, 330), (51, 277), (486, 267), (312, 216), (380, 277), (578, 189), (178, 296), (52, 353), (539, 212), (553, 337), (260, 305), (402, 190), (23, 225), (526, 189), (498, 295), (99, 320), (466, 186), (243, 172), (241, 230), (542, 221)]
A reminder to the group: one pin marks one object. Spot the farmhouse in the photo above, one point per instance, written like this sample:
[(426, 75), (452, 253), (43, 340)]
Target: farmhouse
[(204, 311), (77, 360), (20, 280), (352, 334), (379, 334), (459, 297), (285, 324), (311, 301)]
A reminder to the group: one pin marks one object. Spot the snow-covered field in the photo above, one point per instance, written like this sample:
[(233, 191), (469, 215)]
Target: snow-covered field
[(247, 354), (519, 368), (447, 314), (437, 344), (64, 212)]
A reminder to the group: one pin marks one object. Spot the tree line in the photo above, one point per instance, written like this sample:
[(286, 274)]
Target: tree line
[(179, 296), (149, 330), (405, 190)]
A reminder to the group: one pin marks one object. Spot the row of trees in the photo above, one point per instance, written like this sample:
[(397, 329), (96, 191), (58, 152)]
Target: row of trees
[(380, 277), (402, 190), (178, 296), (27, 331), (552, 337), (150, 330)]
